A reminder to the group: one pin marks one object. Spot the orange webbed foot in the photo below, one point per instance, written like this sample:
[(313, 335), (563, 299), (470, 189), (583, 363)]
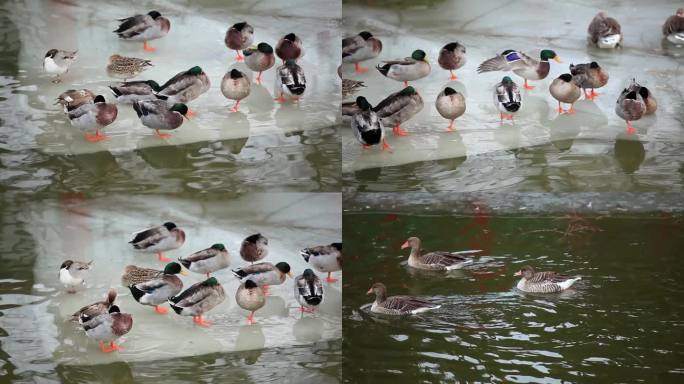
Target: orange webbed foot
[(163, 258), (161, 310), (147, 48), (359, 69)]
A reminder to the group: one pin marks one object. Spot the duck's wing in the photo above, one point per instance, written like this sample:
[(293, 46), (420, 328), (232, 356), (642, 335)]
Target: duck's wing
[(178, 83), (391, 104), (192, 296), (149, 237), (198, 256), (90, 311), (253, 269), (134, 25), (103, 319), (152, 285), (352, 44), (404, 61), (673, 24)]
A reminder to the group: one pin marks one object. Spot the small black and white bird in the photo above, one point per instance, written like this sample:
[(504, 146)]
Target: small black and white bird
[(367, 126), (289, 80), (72, 273), (308, 290), (57, 62)]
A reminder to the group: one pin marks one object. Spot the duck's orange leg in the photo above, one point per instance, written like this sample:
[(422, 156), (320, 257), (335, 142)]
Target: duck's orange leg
[(399, 132), (148, 48), (450, 128), (239, 57), (250, 318), (236, 107), (330, 279), (200, 321), (161, 255), (527, 86), (359, 69), (453, 75), (161, 310), (385, 145)]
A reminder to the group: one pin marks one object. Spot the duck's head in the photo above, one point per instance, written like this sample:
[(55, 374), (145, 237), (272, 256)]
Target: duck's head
[(631, 95), (308, 274), (337, 246), (547, 54), (680, 12), (249, 284), (290, 63), (284, 268), (219, 247), (51, 53), (256, 238), (408, 91), (453, 46), (235, 74), (412, 242), (114, 309), (173, 268), (153, 84), (195, 71), (566, 77), (291, 37), (363, 103), (366, 35), (506, 80), (449, 91), (419, 55), (210, 282), (154, 15), (264, 48), (99, 99), (170, 226), (239, 26), (378, 289), (643, 92), (594, 65), (183, 110), (526, 272)]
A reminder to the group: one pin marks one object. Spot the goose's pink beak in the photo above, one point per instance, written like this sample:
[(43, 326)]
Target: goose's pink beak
[(370, 290), (405, 245), (517, 273)]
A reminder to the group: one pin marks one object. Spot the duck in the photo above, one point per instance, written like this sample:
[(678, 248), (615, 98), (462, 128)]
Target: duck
[(132, 91), (250, 297), (367, 126), (630, 106), (361, 47), (564, 90), (254, 248), (289, 80), (324, 258), (238, 37), (259, 59), (74, 98), (604, 31), (522, 65), (144, 27), (157, 289), (647, 96), (108, 327), (91, 311), (407, 69), (507, 98), (451, 105), (589, 76), (308, 290), (435, 261), (72, 273), (157, 115), (135, 275), (397, 305), (398, 108), (57, 62), (350, 87), (235, 86), (543, 282), (264, 274), (95, 115), (198, 299), (289, 47), (126, 67), (673, 28), (207, 260), (186, 86), (452, 57), (159, 239)]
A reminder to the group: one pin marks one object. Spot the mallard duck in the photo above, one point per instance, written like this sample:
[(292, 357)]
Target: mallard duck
[(186, 86), (198, 299), (135, 275), (132, 91), (289, 80), (264, 274), (543, 282), (435, 261), (451, 105), (72, 274), (566, 91), (157, 115), (254, 248), (407, 69), (589, 76), (398, 107), (144, 27), (325, 258), (507, 98), (630, 106), (108, 327), (239, 37), (673, 29), (125, 68), (397, 305), (93, 116), (289, 47), (308, 290), (521, 64), (604, 31), (646, 95), (207, 260), (361, 47), (350, 87), (259, 59), (74, 98), (91, 311), (250, 297), (57, 62), (367, 126), (157, 290), (159, 239), (452, 57), (235, 86)]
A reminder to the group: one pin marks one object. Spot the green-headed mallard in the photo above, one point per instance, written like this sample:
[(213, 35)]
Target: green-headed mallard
[(251, 297), (407, 69), (207, 260), (452, 57), (74, 98), (397, 305), (289, 47), (673, 29), (361, 47), (108, 327), (72, 274), (308, 290), (259, 59), (57, 62), (367, 126), (186, 86), (157, 115), (235, 86), (93, 116), (289, 80), (507, 98), (238, 37), (566, 91), (91, 311), (646, 95), (398, 107), (630, 106), (543, 282), (125, 68), (264, 274), (132, 91), (159, 239), (522, 65), (157, 289), (604, 31), (451, 105), (135, 275), (254, 248), (324, 258), (198, 299), (589, 76), (435, 261), (144, 27)]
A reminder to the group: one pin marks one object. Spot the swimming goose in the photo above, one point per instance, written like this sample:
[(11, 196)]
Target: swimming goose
[(144, 27), (254, 248), (324, 258), (108, 327), (251, 297), (259, 59), (543, 282), (90, 311), (407, 69), (566, 91), (452, 57), (156, 290), (673, 29), (435, 261), (235, 86), (361, 47), (308, 290), (159, 239), (589, 76), (72, 274), (93, 116), (451, 105), (198, 299), (604, 31), (207, 260), (238, 37), (397, 305), (522, 65), (57, 62)]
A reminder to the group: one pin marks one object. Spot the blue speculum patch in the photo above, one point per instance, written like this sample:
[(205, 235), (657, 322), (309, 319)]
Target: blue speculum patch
[(513, 56)]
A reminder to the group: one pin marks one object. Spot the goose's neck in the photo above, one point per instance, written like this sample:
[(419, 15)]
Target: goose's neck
[(380, 297)]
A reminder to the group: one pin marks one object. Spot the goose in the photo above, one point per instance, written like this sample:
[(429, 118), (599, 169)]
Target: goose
[(397, 305), (435, 261), (543, 282)]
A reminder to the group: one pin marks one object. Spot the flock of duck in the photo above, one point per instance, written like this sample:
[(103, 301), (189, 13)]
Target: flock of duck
[(164, 107), (104, 322), (368, 122), (530, 280)]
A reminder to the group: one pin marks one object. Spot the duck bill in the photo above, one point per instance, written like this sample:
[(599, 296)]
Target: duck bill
[(557, 59), (370, 291), (184, 272), (405, 245), (517, 273), (290, 274)]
